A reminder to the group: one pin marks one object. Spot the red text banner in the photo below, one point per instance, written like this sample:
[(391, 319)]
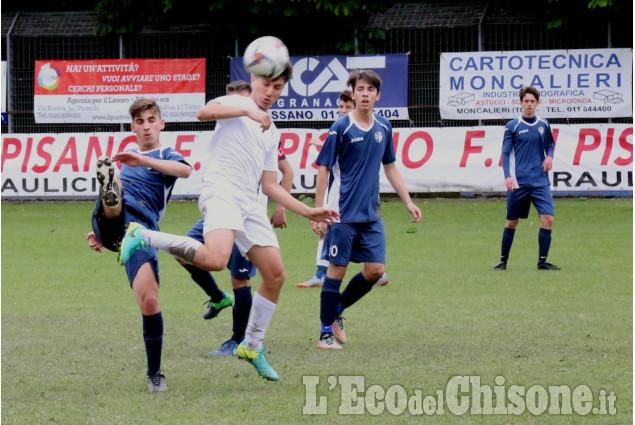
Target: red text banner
[(100, 91), (588, 158)]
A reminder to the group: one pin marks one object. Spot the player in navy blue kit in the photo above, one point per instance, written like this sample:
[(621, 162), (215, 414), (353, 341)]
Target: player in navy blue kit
[(140, 194), (349, 163), (527, 158)]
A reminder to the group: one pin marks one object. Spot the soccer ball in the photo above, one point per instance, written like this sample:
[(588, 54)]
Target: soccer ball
[(266, 57)]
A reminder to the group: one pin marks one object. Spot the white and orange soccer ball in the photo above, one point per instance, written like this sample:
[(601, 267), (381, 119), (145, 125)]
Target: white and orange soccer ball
[(266, 57)]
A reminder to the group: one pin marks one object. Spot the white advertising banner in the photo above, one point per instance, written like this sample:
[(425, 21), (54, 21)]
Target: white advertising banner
[(584, 83), (588, 157)]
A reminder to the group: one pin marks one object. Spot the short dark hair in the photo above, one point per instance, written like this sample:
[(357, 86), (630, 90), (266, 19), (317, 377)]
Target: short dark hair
[(144, 104), (528, 90), (346, 96), (287, 73), (238, 86), (367, 75)]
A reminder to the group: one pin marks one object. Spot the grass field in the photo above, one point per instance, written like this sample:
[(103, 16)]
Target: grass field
[(72, 350)]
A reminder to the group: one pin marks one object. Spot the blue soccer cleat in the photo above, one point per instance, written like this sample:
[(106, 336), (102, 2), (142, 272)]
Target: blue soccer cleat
[(131, 242), (227, 349), (258, 360)]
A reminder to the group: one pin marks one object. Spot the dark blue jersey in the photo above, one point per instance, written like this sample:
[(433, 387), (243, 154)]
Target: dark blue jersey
[(526, 143), (354, 156), (147, 191)]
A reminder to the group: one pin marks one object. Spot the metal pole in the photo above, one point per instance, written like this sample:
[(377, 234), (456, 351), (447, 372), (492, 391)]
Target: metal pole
[(480, 36), (122, 55), (8, 81)]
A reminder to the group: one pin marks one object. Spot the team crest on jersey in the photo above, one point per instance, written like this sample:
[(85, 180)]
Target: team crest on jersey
[(379, 136), (541, 130)]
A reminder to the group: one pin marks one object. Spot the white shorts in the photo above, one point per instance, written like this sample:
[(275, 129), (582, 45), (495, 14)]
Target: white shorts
[(250, 222)]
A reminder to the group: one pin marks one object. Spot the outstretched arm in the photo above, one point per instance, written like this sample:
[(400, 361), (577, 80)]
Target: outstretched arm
[(165, 166), (395, 179), (273, 190), (213, 111)]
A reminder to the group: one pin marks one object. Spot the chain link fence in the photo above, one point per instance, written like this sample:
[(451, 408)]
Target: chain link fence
[(423, 30)]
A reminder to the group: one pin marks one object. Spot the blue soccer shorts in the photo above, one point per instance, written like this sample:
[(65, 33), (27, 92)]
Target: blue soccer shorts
[(110, 233), (519, 201), (356, 242)]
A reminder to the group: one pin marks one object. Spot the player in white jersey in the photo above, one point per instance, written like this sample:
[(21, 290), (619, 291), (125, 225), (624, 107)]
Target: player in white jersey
[(350, 160), (242, 155)]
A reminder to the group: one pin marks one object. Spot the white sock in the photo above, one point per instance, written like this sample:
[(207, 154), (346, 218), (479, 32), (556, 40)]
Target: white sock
[(181, 247), (318, 257), (261, 313)]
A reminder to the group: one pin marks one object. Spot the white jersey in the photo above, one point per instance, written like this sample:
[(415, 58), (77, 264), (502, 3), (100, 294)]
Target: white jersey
[(238, 153)]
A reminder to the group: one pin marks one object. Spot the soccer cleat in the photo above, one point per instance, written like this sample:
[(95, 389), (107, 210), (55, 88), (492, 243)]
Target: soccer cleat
[(156, 382), (131, 242), (548, 266), (313, 282), (258, 360), (227, 349), (383, 281), (111, 194), (327, 342), (338, 329), (214, 308), (500, 266)]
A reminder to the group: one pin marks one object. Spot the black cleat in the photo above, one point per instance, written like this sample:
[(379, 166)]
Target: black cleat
[(548, 266), (111, 193), (214, 308), (501, 266)]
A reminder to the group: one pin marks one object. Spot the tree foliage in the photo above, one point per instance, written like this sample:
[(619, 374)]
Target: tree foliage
[(245, 19), (561, 12)]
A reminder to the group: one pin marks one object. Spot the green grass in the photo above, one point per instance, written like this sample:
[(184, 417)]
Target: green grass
[(72, 350)]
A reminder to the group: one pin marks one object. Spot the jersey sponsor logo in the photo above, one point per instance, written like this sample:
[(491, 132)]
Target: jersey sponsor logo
[(523, 131), (379, 136), (333, 251), (357, 139)]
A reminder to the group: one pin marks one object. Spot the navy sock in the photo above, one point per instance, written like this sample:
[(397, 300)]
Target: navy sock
[(320, 271), (355, 290), (506, 245), (544, 242), (240, 312), (153, 338), (329, 300), (206, 281)]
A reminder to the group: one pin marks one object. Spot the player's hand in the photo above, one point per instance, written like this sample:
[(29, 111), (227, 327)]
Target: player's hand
[(415, 211), (509, 184), (261, 117), (279, 218), (129, 158), (316, 141), (547, 164), (93, 243), (318, 228), (323, 215)]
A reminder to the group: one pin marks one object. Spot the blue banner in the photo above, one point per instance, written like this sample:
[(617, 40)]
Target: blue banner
[(317, 81)]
